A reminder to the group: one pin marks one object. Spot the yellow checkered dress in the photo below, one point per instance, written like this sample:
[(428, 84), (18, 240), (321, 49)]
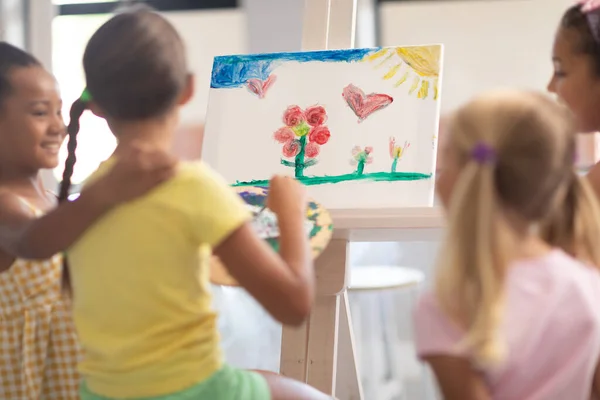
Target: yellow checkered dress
[(38, 345)]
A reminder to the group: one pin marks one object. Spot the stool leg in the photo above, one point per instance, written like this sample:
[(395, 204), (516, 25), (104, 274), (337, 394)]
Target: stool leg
[(357, 323), (391, 332), (357, 306), (425, 381), (375, 347)]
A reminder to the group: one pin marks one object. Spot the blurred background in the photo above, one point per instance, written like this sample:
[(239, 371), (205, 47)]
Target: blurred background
[(488, 43)]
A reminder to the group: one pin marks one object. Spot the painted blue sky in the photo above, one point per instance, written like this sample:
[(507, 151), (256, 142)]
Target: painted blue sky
[(234, 71)]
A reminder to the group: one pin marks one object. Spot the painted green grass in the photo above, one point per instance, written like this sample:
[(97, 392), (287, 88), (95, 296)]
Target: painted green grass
[(320, 180)]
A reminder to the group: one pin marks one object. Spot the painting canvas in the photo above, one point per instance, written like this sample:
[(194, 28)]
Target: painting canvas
[(357, 126)]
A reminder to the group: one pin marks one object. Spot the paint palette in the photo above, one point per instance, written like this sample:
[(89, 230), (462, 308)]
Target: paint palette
[(265, 223)]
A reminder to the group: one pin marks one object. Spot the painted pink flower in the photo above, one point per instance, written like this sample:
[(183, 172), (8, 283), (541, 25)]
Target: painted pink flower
[(293, 116), (284, 135), (362, 155), (319, 135), (316, 115), (291, 149), (312, 150), (392, 146)]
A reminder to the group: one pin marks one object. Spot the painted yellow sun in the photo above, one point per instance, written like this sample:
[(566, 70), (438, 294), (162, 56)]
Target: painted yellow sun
[(419, 65)]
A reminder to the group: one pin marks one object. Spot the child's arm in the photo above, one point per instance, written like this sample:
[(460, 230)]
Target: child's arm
[(456, 378), (596, 384), (282, 283), (436, 339), (25, 236)]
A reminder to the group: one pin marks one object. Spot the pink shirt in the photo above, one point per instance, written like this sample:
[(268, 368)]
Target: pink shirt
[(551, 329)]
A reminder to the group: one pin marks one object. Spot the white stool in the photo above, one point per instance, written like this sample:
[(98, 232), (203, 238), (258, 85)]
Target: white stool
[(375, 324)]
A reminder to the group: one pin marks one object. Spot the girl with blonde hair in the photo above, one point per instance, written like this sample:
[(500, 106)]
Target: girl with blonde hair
[(514, 310)]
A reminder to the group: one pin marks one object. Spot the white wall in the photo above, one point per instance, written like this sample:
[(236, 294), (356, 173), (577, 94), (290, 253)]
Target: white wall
[(273, 25), (12, 22), (488, 43), (208, 34)]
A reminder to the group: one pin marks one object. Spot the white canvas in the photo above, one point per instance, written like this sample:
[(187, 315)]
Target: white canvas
[(249, 95)]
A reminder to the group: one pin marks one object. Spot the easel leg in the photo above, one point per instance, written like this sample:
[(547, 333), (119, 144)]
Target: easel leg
[(322, 344), (348, 385), (294, 348)]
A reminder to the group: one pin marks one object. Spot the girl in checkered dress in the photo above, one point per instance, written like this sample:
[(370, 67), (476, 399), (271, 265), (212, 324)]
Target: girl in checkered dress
[(38, 343)]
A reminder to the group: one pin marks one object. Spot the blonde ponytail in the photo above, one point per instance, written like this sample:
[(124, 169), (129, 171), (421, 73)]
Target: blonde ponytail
[(471, 274), (574, 226)]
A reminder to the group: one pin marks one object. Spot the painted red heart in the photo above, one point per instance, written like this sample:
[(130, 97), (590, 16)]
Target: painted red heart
[(259, 87), (365, 105)]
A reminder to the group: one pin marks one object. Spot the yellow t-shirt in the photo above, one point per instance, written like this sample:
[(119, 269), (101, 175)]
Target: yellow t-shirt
[(142, 301)]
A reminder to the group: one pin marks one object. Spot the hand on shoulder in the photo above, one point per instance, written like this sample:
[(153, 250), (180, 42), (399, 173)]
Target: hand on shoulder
[(12, 208)]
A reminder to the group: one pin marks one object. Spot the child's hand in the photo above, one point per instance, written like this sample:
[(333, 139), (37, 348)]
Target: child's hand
[(135, 172), (286, 196)]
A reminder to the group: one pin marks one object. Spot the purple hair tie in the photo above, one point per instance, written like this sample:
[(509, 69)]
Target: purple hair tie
[(591, 9), (483, 153)]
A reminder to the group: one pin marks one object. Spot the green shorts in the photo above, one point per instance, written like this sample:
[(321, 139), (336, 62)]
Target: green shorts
[(226, 384)]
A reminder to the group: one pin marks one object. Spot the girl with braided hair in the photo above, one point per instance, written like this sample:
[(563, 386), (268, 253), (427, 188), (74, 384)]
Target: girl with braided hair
[(140, 276)]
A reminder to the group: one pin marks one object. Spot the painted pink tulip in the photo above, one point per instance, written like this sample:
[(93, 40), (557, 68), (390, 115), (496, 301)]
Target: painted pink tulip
[(392, 146)]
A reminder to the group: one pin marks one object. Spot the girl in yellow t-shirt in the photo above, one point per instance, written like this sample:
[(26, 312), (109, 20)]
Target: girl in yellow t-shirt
[(142, 302)]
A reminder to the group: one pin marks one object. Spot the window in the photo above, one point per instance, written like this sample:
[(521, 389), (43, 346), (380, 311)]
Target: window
[(95, 141), (71, 29)]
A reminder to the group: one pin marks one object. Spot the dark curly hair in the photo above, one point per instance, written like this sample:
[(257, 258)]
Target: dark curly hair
[(12, 57), (576, 20)]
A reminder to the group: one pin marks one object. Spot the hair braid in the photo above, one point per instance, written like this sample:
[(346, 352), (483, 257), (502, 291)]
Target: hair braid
[(77, 109)]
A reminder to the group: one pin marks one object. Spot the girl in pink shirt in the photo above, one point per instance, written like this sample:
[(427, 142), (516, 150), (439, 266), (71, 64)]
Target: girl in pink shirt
[(513, 315)]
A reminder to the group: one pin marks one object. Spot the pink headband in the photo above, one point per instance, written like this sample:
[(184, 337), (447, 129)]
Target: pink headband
[(591, 9), (589, 5)]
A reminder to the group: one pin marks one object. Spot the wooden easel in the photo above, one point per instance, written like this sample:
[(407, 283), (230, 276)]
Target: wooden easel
[(312, 352)]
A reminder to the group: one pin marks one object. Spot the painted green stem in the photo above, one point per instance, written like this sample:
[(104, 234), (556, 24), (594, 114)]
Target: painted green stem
[(299, 161), (394, 164), (373, 177), (361, 168)]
